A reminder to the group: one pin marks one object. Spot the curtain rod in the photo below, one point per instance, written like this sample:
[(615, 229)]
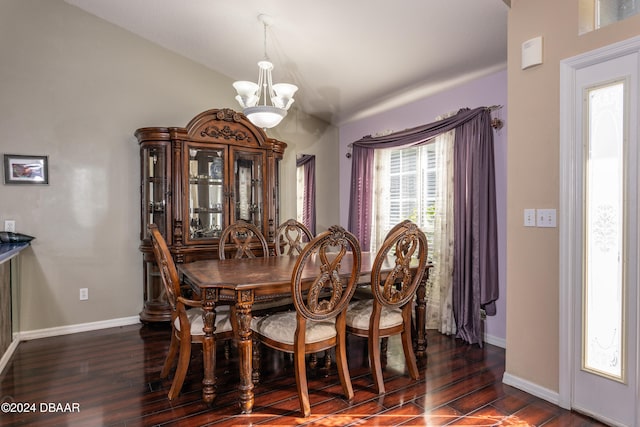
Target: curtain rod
[(495, 123)]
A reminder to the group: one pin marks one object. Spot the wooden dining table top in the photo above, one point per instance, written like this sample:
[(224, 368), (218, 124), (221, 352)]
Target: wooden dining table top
[(272, 272)]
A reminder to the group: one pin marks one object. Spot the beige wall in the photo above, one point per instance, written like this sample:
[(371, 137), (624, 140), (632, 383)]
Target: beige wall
[(75, 88), (533, 179)]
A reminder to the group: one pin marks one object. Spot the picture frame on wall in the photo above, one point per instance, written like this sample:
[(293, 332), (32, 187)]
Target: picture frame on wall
[(21, 169)]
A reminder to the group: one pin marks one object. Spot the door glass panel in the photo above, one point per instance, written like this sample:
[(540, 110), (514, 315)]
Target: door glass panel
[(604, 290), (595, 14), (248, 187), (206, 193), (155, 188)]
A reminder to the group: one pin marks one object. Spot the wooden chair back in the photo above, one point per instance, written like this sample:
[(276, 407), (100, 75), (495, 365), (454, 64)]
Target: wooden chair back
[(395, 289), (290, 236), (168, 272), (244, 237), (329, 294)]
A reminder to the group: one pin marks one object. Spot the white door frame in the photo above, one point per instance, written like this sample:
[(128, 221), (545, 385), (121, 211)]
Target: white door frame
[(570, 206)]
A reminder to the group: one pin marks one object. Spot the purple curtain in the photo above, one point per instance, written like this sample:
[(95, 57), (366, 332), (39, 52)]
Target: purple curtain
[(475, 260), (308, 162), (476, 242), (362, 166)]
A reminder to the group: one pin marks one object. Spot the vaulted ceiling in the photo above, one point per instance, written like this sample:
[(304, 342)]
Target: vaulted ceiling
[(350, 58)]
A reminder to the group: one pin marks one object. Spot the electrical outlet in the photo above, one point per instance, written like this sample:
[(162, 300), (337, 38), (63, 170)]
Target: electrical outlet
[(529, 217), (10, 225), (84, 294)]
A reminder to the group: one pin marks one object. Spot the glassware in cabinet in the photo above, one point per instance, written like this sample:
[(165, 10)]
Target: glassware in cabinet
[(155, 188), (206, 195)]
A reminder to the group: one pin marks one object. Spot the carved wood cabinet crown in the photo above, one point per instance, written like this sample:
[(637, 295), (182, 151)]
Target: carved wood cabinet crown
[(197, 180)]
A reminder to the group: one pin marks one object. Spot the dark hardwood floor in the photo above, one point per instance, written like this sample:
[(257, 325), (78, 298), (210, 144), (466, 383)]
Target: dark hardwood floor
[(112, 376)]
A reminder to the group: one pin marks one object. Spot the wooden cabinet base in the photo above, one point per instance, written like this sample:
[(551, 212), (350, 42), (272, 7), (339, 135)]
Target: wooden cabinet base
[(155, 312)]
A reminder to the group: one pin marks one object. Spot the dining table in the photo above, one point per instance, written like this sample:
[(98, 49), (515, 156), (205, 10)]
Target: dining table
[(244, 282)]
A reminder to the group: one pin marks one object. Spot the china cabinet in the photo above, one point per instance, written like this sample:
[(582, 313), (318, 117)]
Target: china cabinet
[(197, 180)]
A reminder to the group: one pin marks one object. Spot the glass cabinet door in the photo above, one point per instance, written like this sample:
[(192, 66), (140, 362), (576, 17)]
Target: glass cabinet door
[(155, 190), (248, 182), (206, 208)]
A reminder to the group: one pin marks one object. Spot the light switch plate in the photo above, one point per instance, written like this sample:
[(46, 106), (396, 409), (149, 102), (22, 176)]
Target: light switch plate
[(529, 217), (10, 225), (546, 218)]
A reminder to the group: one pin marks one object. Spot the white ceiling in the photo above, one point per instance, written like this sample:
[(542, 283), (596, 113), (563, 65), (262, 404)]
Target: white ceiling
[(350, 58)]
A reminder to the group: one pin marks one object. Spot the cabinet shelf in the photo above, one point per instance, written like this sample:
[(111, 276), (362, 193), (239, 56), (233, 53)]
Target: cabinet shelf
[(204, 234), (207, 210), (205, 181)]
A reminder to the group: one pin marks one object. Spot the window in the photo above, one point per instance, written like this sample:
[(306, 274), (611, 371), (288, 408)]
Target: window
[(405, 189)]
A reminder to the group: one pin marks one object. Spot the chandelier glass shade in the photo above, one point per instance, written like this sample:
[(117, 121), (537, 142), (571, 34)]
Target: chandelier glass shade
[(250, 94)]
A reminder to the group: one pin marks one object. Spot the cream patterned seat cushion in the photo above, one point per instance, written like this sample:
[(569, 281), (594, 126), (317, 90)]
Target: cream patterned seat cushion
[(359, 312), (223, 321), (281, 327)]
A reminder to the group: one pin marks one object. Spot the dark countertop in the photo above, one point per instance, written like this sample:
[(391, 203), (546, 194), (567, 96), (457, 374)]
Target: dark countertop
[(8, 250)]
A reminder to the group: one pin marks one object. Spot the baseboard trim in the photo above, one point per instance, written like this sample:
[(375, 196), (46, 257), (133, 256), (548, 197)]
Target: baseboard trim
[(82, 327), (62, 330), (497, 341), (532, 388), (4, 361)]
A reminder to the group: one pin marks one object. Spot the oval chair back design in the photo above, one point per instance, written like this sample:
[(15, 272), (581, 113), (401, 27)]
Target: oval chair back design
[(397, 288), (290, 237), (243, 234), (328, 295)]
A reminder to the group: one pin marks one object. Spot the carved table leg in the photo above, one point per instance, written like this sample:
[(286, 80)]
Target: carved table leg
[(256, 361), (244, 300), (208, 349), (421, 317)]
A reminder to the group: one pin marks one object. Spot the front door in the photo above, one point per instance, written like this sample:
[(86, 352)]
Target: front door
[(601, 251)]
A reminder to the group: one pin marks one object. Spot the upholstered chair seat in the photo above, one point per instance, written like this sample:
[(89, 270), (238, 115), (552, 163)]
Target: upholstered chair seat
[(359, 315), (223, 320), (282, 327)]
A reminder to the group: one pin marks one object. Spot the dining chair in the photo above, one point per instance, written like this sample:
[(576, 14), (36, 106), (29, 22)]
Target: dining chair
[(186, 316), (291, 236), (389, 311), (318, 321), (243, 235)]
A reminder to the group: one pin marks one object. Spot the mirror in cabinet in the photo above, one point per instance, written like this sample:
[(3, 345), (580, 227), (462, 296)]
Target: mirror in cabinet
[(207, 193), (248, 186)]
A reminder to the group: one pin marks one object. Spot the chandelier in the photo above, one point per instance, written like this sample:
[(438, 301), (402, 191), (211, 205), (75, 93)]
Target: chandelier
[(249, 93)]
